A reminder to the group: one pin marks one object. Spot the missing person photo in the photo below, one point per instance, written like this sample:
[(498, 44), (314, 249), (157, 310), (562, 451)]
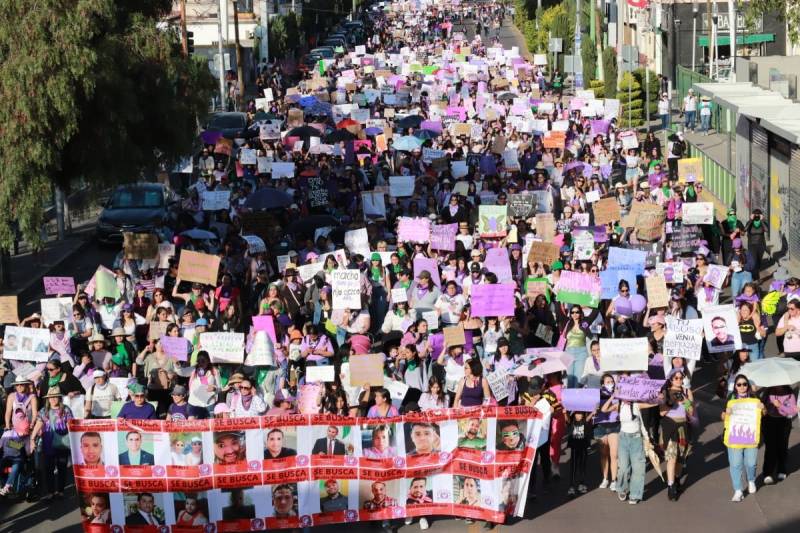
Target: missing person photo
[(422, 438)]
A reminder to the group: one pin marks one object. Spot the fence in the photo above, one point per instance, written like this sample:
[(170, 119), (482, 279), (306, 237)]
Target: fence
[(718, 180)]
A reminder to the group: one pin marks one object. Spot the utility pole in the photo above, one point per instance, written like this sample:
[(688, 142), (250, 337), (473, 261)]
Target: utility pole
[(265, 30), (734, 22), (239, 59), (184, 37), (221, 65)]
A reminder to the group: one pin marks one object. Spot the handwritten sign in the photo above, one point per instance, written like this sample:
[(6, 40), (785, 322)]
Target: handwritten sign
[(413, 229), (606, 211), (498, 383), (454, 335), (9, 313), (544, 253), (56, 309), (443, 236), (697, 213), (176, 347), (683, 338), (140, 245), (657, 294), (216, 200), (743, 425), (638, 389), (522, 205), (223, 347), (198, 267), (493, 299), (545, 226), (624, 354), (400, 186), (58, 285), (346, 288), (578, 288), (690, 169)]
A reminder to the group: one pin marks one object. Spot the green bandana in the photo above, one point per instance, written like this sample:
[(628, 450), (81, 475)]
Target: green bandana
[(52, 381), (376, 273), (731, 221), (412, 365), (756, 224)]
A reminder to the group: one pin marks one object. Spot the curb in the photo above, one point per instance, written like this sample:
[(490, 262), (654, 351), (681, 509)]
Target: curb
[(59, 262)]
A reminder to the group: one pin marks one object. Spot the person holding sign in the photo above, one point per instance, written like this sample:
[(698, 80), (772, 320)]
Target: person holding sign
[(742, 456)]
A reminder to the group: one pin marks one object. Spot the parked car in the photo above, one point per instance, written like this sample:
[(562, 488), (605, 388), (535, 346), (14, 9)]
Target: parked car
[(326, 52), (308, 62), (231, 124), (135, 208)]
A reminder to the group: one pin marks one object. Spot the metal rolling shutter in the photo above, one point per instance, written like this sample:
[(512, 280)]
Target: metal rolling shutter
[(793, 233), (759, 169)]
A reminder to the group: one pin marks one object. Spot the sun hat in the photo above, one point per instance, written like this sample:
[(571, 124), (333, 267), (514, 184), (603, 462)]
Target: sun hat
[(118, 332), (53, 392)]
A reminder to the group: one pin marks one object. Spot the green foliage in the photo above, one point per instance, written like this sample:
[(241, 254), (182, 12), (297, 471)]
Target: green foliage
[(557, 19), (787, 10), (632, 103), (610, 71), (599, 88), (99, 93), (278, 37), (651, 89), (589, 58)]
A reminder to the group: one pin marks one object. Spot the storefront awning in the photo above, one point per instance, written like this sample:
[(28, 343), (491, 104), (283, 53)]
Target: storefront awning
[(723, 40)]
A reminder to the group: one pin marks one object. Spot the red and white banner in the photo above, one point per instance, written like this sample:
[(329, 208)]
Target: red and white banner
[(641, 4), (250, 474)]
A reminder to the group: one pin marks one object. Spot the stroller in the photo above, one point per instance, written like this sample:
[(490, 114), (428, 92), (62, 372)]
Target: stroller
[(18, 461)]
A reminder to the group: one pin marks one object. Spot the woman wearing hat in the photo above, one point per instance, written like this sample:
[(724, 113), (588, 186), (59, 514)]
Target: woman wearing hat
[(101, 395), (51, 425), (123, 354), (422, 294), (21, 400), (138, 408), (81, 329), (379, 279), (59, 375), (128, 321), (204, 382)]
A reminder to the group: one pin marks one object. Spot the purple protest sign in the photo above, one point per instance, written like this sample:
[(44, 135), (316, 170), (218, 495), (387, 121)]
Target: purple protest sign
[(432, 125), (578, 288), (497, 261), (265, 323), (58, 285), (599, 232), (426, 263), (585, 400), (443, 237), (638, 389), (414, 229), (495, 299), (176, 347), (600, 127)]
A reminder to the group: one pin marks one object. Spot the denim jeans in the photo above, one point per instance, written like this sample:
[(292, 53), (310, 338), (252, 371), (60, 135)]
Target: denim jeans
[(575, 369), (690, 119), (738, 280), (742, 460), (664, 122), (705, 123), (755, 351), (631, 465), (16, 468)]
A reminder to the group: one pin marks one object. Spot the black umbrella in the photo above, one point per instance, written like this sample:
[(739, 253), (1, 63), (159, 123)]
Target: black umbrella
[(268, 198), (506, 97), (411, 121), (339, 136), (304, 132), (308, 225)]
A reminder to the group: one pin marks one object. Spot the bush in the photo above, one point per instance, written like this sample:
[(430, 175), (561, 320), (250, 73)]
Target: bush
[(589, 58), (598, 86), (651, 89), (610, 71), (632, 105)]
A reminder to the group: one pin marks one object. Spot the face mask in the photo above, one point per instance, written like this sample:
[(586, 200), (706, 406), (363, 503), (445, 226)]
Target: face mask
[(756, 224), (609, 388)]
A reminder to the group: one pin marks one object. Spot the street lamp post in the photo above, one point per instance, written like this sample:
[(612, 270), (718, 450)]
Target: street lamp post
[(695, 9)]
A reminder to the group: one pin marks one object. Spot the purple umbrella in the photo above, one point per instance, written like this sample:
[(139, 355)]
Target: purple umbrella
[(210, 136)]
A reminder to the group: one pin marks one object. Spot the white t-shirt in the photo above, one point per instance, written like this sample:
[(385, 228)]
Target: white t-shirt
[(689, 103)]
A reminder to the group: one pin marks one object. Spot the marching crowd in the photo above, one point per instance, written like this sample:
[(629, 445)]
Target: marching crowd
[(405, 309)]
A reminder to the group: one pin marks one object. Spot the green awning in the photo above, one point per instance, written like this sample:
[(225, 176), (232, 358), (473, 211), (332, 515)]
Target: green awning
[(723, 40)]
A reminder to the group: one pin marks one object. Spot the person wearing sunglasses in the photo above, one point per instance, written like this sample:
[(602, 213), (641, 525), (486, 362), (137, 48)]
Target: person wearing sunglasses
[(676, 408), (574, 332), (244, 402), (741, 457)]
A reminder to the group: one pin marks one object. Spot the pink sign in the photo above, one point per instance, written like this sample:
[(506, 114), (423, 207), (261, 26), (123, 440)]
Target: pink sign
[(58, 285), (265, 323), (493, 299), (443, 237), (177, 347), (426, 263), (414, 229), (497, 261)]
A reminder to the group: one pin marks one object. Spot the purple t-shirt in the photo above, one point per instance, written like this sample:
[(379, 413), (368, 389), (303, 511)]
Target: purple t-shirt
[(131, 411)]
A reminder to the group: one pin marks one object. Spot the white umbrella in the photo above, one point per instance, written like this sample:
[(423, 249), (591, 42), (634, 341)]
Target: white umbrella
[(773, 372)]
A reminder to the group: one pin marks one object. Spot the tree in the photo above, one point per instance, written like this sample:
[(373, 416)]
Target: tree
[(610, 71), (630, 96), (787, 10), (277, 36), (93, 91), (589, 59)]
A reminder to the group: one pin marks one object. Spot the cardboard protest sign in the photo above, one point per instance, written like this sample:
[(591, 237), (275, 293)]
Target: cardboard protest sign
[(215, 200), (697, 213), (9, 313), (400, 186), (521, 205), (443, 236), (176, 347), (454, 335), (720, 324), (198, 267), (690, 169), (554, 140), (366, 370), (583, 400), (56, 309), (638, 389), (156, 330), (606, 211), (544, 253), (26, 344), (223, 347), (416, 229), (346, 288), (492, 220), (545, 226), (743, 425), (140, 245), (624, 354), (58, 285), (649, 222), (496, 299), (657, 294), (578, 288), (683, 338)]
